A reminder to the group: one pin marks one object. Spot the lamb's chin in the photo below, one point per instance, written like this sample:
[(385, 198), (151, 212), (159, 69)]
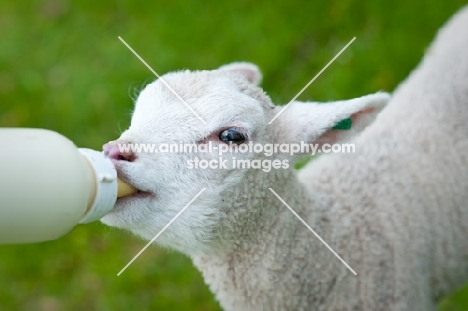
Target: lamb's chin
[(127, 210)]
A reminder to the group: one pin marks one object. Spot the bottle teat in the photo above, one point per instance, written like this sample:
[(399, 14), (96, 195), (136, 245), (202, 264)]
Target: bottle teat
[(124, 188)]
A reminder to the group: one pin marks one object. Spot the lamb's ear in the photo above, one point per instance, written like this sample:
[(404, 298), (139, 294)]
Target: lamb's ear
[(317, 122), (247, 70)]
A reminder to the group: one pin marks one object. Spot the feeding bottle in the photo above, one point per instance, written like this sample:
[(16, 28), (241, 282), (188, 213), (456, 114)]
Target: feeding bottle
[(48, 185)]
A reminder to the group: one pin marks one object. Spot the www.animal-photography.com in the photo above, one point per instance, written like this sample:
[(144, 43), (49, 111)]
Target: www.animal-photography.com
[(242, 155)]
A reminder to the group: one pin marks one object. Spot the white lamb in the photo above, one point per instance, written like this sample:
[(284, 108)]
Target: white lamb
[(396, 210)]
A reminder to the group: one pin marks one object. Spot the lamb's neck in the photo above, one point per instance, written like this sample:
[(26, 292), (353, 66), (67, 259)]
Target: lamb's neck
[(273, 251)]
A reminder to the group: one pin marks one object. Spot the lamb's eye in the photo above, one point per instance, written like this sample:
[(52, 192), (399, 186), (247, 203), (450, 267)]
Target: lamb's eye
[(232, 135)]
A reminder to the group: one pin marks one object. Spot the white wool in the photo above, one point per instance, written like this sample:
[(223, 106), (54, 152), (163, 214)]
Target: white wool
[(396, 210)]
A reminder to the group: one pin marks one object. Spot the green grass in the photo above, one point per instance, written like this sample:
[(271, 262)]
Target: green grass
[(63, 68)]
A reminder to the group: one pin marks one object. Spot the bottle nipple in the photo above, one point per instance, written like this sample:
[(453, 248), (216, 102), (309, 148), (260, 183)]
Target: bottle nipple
[(124, 189)]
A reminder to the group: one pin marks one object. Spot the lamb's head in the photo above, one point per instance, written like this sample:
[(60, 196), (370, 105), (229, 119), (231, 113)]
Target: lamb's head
[(227, 110)]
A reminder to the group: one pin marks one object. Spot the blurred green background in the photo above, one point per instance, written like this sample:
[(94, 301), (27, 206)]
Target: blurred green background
[(63, 68)]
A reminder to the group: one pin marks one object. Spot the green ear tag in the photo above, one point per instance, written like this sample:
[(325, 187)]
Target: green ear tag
[(344, 124)]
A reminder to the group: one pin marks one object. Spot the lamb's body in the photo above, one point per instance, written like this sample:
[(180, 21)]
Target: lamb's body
[(396, 210), (412, 174)]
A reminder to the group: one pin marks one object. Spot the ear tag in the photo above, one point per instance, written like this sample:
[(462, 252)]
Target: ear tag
[(344, 124)]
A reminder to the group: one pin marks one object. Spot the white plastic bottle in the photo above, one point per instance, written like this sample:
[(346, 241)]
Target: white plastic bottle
[(48, 185)]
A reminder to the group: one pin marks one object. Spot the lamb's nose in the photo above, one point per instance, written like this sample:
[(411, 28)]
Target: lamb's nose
[(118, 152)]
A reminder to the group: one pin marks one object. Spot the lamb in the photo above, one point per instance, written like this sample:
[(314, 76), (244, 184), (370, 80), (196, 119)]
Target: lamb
[(395, 210)]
